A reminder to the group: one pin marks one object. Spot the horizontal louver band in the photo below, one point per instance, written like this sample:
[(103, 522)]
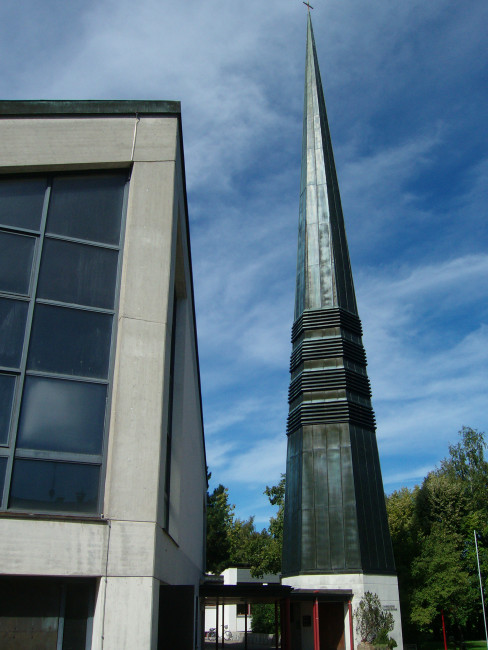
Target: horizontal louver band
[(333, 379), (329, 413), (323, 318), (327, 349)]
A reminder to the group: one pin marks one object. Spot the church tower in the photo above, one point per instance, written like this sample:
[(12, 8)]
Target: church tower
[(336, 533)]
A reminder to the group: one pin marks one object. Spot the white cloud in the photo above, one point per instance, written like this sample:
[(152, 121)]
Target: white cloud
[(406, 97)]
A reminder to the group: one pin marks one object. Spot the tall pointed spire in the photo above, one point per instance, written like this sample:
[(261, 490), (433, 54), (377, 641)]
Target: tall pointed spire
[(335, 514), (324, 278)]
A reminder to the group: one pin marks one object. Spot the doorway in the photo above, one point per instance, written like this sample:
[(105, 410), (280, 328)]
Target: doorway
[(331, 626)]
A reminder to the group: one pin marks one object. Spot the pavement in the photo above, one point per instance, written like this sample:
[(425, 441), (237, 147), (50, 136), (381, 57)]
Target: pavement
[(237, 645)]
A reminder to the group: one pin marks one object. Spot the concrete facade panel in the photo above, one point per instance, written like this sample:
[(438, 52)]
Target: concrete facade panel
[(148, 243), (172, 564), (135, 426), (131, 550), (65, 141), (53, 548), (156, 139), (126, 614)]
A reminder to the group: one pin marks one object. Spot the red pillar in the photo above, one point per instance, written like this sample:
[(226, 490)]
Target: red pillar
[(316, 635), (444, 629), (351, 626)]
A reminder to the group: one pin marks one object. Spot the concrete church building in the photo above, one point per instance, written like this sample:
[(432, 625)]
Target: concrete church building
[(102, 460)]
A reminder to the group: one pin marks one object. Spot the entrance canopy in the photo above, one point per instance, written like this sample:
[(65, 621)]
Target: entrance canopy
[(267, 593)]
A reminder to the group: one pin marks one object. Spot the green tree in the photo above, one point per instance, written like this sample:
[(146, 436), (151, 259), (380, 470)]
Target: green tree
[(263, 618), (442, 583), (236, 542), (371, 620), (269, 558), (405, 531), (247, 545), (450, 504), (432, 535), (219, 521)]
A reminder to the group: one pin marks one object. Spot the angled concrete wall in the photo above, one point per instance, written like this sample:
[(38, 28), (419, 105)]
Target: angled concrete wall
[(128, 548)]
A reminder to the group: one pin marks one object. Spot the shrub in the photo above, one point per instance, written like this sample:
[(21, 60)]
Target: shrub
[(263, 618), (371, 620)]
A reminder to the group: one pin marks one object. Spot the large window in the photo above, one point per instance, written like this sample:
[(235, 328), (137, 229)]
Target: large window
[(50, 614), (59, 256)]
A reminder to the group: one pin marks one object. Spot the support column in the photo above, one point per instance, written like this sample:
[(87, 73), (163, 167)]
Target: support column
[(287, 625), (245, 626), (351, 625), (126, 614), (217, 625), (276, 625), (316, 633)]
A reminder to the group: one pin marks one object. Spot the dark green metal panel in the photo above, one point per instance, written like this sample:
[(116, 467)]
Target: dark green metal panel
[(335, 514)]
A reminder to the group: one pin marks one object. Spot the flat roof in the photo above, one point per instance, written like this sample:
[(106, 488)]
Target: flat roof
[(244, 592), (88, 107)]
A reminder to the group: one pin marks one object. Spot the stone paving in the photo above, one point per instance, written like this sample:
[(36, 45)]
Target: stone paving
[(238, 645)]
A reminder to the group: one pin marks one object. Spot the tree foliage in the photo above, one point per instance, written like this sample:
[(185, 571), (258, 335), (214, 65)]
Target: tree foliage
[(432, 534), (263, 618), (371, 620), (219, 520), (236, 542)]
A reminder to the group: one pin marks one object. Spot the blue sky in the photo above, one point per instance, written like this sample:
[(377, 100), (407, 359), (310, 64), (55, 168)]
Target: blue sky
[(406, 88)]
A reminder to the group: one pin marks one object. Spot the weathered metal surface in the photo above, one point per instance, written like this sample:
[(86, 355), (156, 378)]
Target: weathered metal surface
[(335, 514), (324, 278)]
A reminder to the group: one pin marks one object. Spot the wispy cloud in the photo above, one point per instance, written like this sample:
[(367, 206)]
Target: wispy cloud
[(406, 91)]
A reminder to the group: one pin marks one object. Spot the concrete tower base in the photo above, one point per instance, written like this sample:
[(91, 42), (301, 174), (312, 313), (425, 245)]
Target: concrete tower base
[(334, 607)]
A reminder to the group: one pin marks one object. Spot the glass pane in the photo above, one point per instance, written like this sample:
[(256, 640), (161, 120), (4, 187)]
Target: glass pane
[(70, 341), (78, 274), (21, 202), (87, 207), (62, 415), (16, 253), (30, 613), (7, 387), (3, 469), (13, 314), (47, 485), (76, 613)]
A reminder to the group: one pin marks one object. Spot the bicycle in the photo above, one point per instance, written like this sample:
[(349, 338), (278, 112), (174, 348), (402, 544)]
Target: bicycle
[(212, 634)]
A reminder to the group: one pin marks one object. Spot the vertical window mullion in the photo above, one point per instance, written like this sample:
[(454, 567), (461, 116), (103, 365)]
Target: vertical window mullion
[(62, 611), (23, 363)]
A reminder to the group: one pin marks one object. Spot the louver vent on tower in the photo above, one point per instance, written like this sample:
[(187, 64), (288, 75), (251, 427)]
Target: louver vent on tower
[(335, 514)]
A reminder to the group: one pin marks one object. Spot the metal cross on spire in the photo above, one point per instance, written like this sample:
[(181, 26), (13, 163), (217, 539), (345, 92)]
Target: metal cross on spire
[(308, 5)]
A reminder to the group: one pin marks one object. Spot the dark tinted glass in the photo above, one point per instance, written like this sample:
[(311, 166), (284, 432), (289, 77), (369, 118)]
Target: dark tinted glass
[(47, 485), (21, 202), (16, 253), (70, 341), (29, 613), (78, 274), (3, 468), (7, 386), (75, 616), (13, 314), (62, 415), (87, 207)]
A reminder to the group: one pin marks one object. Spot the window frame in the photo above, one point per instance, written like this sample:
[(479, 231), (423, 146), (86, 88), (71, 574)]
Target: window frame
[(9, 450)]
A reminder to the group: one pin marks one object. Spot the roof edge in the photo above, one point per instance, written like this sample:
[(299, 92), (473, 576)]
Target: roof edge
[(88, 107)]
